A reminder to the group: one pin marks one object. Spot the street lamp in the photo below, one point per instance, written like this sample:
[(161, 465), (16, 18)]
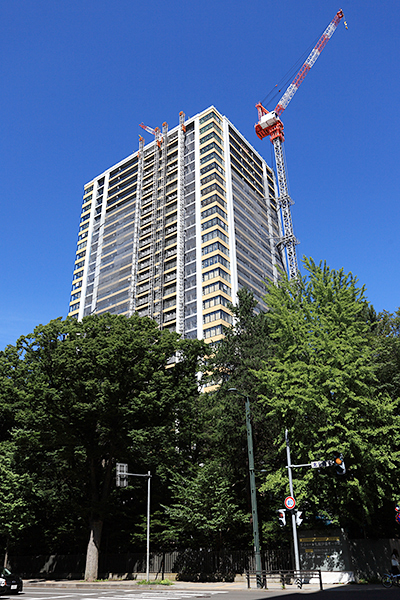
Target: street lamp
[(256, 536), (122, 481)]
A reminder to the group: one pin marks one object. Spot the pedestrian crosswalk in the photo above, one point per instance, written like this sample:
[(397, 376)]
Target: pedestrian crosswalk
[(119, 594), (153, 595)]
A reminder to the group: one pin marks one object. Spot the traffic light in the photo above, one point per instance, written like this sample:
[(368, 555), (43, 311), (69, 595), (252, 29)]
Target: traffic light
[(282, 517), (299, 518), (339, 463)]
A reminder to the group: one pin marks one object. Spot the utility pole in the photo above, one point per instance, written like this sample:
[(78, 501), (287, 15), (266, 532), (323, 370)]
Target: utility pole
[(254, 513), (294, 526)]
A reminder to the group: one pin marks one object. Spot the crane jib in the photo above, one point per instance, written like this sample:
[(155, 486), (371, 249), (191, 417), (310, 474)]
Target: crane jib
[(309, 62)]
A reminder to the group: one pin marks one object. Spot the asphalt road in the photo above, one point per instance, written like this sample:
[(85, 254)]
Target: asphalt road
[(337, 593)]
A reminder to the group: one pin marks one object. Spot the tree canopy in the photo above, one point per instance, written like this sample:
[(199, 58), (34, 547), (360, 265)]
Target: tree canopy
[(321, 384), (93, 392)]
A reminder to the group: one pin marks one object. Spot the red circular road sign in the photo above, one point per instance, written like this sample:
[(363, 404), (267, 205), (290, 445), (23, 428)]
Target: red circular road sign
[(290, 502)]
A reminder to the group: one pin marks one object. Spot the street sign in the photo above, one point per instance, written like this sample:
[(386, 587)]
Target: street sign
[(320, 464), (290, 502), (121, 474)]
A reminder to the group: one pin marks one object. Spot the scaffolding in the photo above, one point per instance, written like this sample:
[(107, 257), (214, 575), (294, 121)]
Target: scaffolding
[(136, 234), (180, 316), (153, 239), (160, 243)]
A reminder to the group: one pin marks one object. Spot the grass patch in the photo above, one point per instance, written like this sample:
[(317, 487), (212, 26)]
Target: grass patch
[(155, 582)]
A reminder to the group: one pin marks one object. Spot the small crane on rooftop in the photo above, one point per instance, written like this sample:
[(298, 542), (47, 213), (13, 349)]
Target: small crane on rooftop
[(269, 123)]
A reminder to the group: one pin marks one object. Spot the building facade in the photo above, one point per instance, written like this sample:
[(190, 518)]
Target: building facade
[(174, 230)]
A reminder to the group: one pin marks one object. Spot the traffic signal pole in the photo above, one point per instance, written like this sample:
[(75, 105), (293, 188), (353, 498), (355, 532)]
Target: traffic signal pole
[(294, 526)]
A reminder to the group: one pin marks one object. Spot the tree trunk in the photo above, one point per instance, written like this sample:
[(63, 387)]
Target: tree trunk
[(92, 554), (6, 553)]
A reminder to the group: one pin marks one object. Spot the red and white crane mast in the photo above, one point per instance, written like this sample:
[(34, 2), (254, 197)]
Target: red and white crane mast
[(270, 124)]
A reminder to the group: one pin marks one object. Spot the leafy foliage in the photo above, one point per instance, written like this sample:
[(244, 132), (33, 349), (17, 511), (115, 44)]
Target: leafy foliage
[(204, 512), (90, 393), (320, 384)]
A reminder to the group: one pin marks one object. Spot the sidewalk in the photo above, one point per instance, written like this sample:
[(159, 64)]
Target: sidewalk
[(177, 585)]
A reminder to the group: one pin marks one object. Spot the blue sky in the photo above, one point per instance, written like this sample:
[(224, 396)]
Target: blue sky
[(78, 76)]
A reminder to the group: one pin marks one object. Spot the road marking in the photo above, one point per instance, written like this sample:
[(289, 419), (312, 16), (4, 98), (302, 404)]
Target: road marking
[(153, 595), (52, 596)]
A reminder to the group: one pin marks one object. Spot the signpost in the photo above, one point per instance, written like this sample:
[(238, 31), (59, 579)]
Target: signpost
[(291, 501)]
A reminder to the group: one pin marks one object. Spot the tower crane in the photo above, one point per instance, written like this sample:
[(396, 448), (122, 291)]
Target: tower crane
[(269, 123)]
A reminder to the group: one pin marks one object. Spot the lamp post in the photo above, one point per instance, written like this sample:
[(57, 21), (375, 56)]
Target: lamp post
[(256, 536), (122, 481)]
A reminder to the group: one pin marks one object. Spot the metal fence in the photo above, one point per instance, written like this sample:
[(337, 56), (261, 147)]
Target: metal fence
[(189, 564)]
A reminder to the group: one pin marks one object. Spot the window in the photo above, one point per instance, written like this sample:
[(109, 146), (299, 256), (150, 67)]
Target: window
[(217, 258), (211, 177), (169, 316), (79, 265), (216, 315), (75, 296), (210, 126), (212, 156), (170, 302), (216, 273), (212, 210), (86, 213), (210, 167), (211, 146), (84, 226), (215, 287), (215, 301), (213, 331), (213, 247), (170, 264), (210, 136), (212, 223), (214, 198), (209, 116), (78, 275), (213, 234), (170, 290), (214, 187), (74, 307)]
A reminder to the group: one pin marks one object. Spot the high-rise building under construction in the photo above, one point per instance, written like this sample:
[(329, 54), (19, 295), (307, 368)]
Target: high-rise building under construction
[(175, 229)]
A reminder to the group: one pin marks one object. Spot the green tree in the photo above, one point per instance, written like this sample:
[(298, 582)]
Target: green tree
[(94, 392), (387, 352), (320, 384), (246, 345), (15, 513), (204, 512)]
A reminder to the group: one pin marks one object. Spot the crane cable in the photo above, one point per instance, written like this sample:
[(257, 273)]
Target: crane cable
[(288, 77)]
